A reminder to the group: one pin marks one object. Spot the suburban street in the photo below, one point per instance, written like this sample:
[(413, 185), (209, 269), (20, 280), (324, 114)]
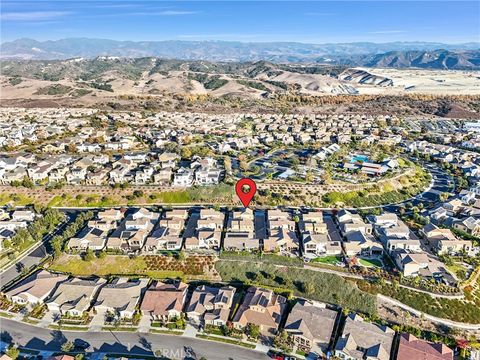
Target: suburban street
[(172, 346), (441, 182)]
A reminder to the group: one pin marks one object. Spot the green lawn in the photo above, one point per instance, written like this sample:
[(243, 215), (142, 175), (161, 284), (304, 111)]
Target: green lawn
[(371, 262), (166, 332), (113, 328), (228, 341), (69, 328), (6, 315), (330, 260)]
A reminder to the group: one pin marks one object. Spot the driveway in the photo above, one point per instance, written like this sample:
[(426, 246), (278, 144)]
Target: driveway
[(190, 330), (49, 318), (98, 321), (144, 325)]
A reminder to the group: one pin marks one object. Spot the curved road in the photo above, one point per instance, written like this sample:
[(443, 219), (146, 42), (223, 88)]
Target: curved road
[(171, 346)]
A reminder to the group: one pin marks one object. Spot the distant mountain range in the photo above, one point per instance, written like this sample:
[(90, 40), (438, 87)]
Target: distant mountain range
[(394, 54)]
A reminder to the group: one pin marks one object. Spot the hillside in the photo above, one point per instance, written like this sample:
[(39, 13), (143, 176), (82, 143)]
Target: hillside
[(438, 59), (395, 54), (106, 77)]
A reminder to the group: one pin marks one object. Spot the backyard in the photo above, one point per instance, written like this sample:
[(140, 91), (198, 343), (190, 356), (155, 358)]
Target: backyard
[(329, 260), (376, 263)]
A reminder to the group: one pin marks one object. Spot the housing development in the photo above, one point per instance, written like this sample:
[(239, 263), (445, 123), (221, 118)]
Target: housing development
[(358, 221), (239, 180)]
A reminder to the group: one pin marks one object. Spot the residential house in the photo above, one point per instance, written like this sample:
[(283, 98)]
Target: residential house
[(311, 325), (23, 215), (444, 241), (88, 238), (359, 243), (469, 225), (168, 160), (362, 340), (453, 206), (208, 231), (164, 302), (315, 245), (74, 296), (313, 222), (411, 348), (210, 304), (282, 234), (184, 177), (352, 222), (260, 307), (240, 233), (419, 264), (35, 288), (131, 234), (120, 297), (163, 177)]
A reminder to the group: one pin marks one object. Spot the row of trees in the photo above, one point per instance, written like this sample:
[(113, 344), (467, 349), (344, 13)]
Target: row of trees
[(44, 224), (58, 242)]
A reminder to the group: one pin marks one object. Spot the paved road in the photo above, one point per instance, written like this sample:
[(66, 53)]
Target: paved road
[(34, 256), (172, 346), (441, 182)]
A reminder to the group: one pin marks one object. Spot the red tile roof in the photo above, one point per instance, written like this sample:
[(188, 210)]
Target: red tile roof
[(411, 348)]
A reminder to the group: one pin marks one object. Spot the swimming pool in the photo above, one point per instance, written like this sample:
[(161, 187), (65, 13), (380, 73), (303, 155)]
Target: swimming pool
[(359, 158)]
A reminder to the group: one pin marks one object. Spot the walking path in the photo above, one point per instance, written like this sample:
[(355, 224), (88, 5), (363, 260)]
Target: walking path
[(432, 318)]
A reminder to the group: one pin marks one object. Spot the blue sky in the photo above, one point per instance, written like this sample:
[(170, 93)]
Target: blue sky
[(252, 21)]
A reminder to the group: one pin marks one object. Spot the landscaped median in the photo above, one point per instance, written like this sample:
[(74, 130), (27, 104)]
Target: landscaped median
[(388, 192)]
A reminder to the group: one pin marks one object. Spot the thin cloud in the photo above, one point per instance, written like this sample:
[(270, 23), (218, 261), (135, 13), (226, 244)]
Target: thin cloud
[(388, 32), (165, 13), (33, 15)]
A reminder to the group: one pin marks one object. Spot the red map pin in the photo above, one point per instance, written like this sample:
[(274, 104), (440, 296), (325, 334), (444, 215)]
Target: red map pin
[(245, 196)]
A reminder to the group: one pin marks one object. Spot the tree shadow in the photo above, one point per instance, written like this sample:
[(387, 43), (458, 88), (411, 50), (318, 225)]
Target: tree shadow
[(145, 343), (6, 337)]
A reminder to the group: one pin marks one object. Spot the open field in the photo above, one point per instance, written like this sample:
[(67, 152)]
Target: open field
[(437, 82), (452, 309), (157, 267), (105, 196), (308, 283)]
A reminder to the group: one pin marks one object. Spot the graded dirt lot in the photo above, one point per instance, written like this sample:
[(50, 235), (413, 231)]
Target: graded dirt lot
[(435, 82)]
